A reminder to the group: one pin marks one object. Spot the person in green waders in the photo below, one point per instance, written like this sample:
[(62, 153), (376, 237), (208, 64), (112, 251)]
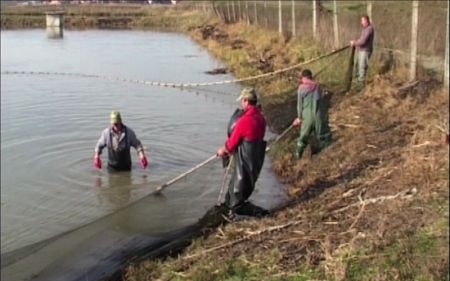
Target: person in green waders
[(312, 115), (118, 139)]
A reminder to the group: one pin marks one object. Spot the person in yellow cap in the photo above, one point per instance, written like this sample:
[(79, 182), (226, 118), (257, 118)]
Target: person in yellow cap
[(118, 139), (246, 143)]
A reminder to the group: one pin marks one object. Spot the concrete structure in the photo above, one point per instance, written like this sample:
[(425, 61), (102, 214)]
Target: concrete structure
[(55, 24), (54, 32), (55, 19)]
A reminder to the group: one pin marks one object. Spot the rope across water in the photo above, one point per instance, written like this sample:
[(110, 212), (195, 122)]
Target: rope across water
[(185, 85), (176, 85), (181, 86)]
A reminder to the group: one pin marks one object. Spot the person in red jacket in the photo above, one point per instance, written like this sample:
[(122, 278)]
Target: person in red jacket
[(247, 146)]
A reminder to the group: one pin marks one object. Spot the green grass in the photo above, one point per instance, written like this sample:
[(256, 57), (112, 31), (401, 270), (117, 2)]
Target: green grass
[(418, 256), (359, 8), (263, 267)]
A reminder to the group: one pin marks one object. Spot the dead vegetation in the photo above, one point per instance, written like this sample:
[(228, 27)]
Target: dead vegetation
[(373, 206)]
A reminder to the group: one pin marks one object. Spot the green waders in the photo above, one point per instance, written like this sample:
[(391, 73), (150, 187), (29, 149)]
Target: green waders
[(314, 119)]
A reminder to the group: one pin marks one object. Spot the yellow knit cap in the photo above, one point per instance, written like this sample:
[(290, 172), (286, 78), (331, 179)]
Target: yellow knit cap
[(115, 117)]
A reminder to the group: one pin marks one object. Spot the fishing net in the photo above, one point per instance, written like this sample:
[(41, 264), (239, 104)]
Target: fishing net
[(191, 199), (277, 89), (278, 93)]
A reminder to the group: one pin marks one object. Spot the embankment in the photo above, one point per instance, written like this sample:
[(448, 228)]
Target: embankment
[(373, 206)]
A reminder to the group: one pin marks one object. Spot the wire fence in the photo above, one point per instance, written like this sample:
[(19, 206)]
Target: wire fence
[(412, 33)]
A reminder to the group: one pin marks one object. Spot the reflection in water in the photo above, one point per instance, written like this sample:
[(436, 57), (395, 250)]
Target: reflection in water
[(116, 193), (117, 189), (60, 218), (54, 32), (61, 193)]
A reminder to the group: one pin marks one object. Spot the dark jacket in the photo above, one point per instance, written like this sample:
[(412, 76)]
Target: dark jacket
[(365, 41)]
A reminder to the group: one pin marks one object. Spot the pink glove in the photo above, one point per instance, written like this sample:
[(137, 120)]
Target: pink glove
[(144, 162), (97, 162)]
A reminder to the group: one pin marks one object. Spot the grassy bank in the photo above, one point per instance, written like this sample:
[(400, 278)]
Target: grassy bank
[(374, 206), (102, 16)]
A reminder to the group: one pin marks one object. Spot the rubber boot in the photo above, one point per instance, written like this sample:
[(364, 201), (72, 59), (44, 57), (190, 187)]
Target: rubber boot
[(299, 153)]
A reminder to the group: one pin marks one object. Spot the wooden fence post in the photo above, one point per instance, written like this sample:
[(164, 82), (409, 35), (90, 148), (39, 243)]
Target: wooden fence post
[(280, 19), (314, 16), (335, 25), (369, 10), (234, 10), (265, 13), (446, 54), (247, 14), (414, 25), (293, 17), (239, 11), (228, 12), (256, 13)]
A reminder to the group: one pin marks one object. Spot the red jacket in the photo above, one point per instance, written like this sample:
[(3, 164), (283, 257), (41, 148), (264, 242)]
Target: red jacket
[(251, 126)]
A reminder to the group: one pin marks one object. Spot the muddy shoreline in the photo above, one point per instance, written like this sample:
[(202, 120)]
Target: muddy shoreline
[(372, 207)]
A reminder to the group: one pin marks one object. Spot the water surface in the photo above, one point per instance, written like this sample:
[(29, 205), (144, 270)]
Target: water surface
[(50, 124)]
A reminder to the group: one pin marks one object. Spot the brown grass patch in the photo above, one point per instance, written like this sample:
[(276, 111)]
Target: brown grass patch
[(370, 207)]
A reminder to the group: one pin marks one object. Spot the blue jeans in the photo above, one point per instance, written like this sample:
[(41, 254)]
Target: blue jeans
[(363, 64)]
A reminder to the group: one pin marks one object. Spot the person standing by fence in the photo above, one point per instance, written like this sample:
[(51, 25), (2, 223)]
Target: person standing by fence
[(365, 47), (312, 112)]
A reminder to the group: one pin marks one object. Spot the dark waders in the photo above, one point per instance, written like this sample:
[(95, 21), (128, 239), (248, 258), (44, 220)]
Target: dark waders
[(248, 162), (249, 159), (119, 159)]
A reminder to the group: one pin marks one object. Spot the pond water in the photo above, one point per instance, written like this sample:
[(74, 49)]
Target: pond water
[(50, 124)]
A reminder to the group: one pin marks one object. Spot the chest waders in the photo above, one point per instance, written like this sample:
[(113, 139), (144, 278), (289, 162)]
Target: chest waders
[(230, 126), (119, 159), (249, 159), (314, 117)]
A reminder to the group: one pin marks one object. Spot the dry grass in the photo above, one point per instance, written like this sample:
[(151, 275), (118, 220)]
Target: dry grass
[(373, 206), (392, 22), (106, 16)]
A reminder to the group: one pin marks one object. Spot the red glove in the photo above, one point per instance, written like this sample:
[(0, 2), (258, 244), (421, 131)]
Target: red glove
[(144, 162), (97, 162)]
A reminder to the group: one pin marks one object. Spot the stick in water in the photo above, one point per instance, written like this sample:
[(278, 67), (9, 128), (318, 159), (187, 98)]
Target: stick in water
[(172, 181), (219, 200), (279, 137)]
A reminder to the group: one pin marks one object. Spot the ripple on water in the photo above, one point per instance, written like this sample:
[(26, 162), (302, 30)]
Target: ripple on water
[(50, 124)]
